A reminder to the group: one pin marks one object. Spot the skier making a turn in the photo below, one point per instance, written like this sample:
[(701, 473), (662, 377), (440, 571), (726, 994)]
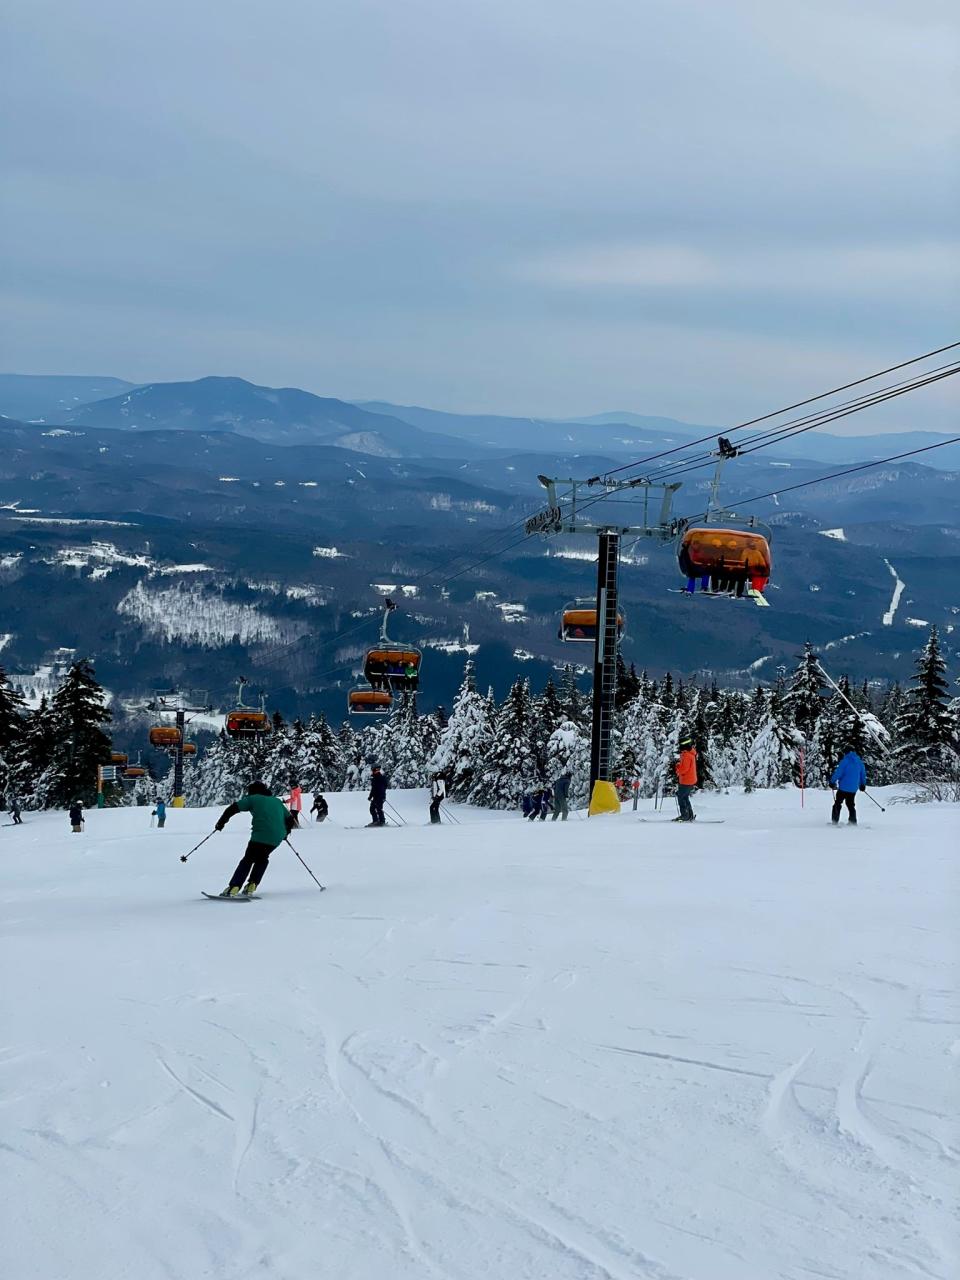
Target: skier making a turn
[(271, 824), (686, 770), (849, 777)]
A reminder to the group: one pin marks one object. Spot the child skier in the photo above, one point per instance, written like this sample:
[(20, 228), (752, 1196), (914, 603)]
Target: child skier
[(15, 811), (849, 777), (686, 770), (319, 807), (295, 802), (160, 813), (76, 817), (270, 827)]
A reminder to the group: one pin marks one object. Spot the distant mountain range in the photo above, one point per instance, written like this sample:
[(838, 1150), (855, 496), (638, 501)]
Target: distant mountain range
[(287, 415), (198, 531)]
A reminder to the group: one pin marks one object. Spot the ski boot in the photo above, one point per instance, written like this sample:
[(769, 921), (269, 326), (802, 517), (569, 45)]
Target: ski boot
[(250, 888), (230, 891)]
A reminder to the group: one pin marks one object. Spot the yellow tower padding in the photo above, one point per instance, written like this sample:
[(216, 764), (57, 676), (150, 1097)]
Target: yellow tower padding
[(178, 802), (604, 799)]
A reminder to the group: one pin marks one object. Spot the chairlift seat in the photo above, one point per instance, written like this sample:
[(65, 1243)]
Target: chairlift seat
[(369, 702), (725, 552)]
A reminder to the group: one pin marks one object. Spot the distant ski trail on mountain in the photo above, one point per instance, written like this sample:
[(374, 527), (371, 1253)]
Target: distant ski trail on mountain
[(898, 586)]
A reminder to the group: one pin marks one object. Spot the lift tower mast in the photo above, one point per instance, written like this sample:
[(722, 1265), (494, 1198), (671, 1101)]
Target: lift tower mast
[(566, 516)]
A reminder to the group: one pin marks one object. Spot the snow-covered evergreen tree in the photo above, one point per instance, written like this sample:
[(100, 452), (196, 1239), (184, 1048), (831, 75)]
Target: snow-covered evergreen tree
[(804, 696), (568, 748), (510, 766), (404, 753), (79, 711), (318, 760), (465, 741), (574, 703), (12, 729), (221, 776), (775, 747), (925, 729)]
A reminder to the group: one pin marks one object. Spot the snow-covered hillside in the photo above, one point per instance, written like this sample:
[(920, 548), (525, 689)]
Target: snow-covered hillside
[(600, 1050)]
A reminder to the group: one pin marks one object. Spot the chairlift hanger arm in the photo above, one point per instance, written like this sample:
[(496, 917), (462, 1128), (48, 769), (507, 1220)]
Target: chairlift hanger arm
[(556, 519)]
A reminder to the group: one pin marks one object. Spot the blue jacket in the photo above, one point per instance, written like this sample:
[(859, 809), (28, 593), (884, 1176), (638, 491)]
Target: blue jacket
[(850, 774)]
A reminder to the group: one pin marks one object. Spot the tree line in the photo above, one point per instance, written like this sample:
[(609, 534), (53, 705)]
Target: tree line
[(791, 731)]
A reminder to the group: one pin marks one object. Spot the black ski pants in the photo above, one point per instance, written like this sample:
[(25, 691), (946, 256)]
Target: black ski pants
[(253, 864), (841, 798), (435, 804), (376, 813)]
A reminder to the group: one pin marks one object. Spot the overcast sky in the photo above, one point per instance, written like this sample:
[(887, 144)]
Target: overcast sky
[(696, 208)]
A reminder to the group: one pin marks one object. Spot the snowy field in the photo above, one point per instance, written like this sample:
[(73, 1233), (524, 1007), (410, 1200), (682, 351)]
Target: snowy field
[(595, 1051)]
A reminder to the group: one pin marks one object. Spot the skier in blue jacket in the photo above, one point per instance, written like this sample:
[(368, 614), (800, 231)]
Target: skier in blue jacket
[(849, 777)]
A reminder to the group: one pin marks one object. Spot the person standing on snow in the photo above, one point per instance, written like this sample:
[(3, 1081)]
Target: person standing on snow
[(160, 813), (319, 807), (76, 817), (377, 796), (295, 802), (270, 827), (438, 793), (561, 794), (686, 771), (849, 777), (15, 812)]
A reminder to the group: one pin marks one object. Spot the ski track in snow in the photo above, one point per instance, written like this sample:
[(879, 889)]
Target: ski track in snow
[(898, 587), (596, 1052)]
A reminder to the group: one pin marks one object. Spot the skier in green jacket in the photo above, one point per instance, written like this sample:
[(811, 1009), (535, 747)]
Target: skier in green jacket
[(270, 827)]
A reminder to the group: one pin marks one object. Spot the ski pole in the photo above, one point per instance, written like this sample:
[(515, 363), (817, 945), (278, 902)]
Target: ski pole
[(185, 856), (320, 886), (401, 822), (876, 802), (452, 816)]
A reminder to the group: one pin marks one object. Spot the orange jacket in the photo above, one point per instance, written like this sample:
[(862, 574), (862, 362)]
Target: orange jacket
[(686, 768)]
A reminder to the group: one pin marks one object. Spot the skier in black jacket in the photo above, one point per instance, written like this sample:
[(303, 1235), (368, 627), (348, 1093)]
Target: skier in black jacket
[(378, 794)]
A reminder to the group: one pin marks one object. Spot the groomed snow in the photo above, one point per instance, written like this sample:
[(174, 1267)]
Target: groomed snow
[(898, 586), (585, 1051)]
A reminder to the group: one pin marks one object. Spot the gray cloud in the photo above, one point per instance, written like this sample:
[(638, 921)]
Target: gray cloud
[(546, 207)]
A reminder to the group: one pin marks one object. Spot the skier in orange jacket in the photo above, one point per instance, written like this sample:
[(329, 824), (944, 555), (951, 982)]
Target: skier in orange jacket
[(686, 769)]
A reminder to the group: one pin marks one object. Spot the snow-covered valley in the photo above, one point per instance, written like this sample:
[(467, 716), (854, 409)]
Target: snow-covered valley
[(597, 1050)]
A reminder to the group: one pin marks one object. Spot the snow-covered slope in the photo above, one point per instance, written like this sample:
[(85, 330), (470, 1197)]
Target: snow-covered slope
[(595, 1051)]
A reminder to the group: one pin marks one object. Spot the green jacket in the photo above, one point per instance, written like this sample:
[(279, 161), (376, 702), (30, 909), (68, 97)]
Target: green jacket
[(269, 818)]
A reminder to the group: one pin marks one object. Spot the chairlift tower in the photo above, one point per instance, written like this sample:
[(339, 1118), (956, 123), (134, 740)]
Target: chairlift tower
[(567, 516), (181, 705)]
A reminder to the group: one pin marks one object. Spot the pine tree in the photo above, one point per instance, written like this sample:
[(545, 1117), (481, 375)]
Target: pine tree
[(466, 740), (12, 730), (574, 703), (925, 730), (79, 711), (12, 716), (404, 750), (804, 696), (628, 683), (775, 747), (548, 715), (318, 760), (510, 767), (568, 749), (220, 776)]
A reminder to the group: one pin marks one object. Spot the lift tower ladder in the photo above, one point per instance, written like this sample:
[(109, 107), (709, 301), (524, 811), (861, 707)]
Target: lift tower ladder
[(566, 515)]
